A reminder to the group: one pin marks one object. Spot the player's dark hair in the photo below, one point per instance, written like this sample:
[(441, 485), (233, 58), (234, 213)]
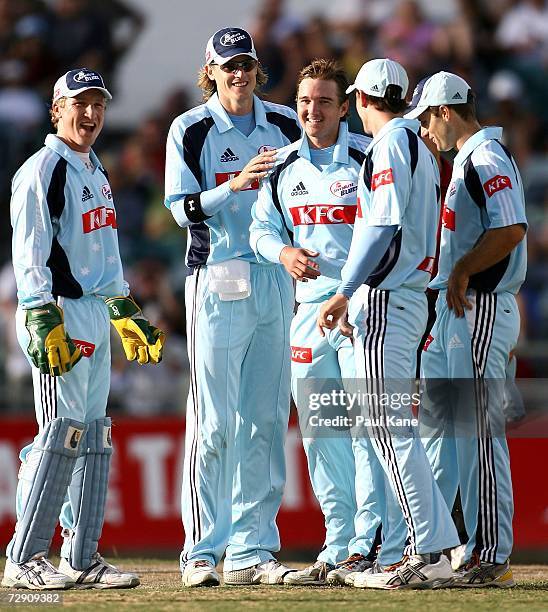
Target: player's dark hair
[(467, 111), (392, 102), (326, 70), (209, 86)]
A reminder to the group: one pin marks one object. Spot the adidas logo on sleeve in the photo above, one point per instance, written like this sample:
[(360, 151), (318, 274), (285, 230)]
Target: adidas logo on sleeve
[(299, 190), (86, 194), (229, 155)]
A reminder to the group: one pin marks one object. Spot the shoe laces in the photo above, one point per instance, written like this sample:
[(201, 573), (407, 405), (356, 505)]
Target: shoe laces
[(99, 559), (202, 563), (45, 564), (352, 561), (474, 562)]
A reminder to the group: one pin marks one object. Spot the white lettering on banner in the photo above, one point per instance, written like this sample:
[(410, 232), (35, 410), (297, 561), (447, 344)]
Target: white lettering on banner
[(9, 460), (152, 451)]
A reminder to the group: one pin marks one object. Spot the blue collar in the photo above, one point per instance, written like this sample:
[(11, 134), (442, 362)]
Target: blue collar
[(223, 121), (54, 143), (394, 124), (340, 153), (488, 133)]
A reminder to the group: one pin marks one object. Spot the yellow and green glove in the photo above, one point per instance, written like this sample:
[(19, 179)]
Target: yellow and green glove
[(51, 349), (140, 339)]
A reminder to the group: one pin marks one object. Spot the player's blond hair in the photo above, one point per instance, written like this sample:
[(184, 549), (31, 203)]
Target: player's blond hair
[(209, 87)]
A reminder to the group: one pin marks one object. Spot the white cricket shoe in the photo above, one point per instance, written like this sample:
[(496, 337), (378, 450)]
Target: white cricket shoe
[(36, 574), (99, 575), (411, 573), (354, 564), (269, 572), (200, 573), (309, 576)]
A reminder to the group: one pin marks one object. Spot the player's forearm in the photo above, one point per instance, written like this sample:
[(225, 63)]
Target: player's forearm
[(268, 246), (493, 247), (365, 254), (197, 207)]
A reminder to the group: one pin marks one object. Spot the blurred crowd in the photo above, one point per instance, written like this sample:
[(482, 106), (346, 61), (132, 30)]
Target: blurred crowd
[(499, 46)]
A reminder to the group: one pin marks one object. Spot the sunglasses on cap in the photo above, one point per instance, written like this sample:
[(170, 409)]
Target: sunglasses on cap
[(246, 65)]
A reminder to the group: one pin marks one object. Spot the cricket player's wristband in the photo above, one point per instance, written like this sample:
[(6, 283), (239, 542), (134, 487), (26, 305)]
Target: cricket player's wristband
[(192, 205)]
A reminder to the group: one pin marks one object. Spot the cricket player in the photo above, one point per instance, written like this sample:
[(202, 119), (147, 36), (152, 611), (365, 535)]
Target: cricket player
[(310, 196), (387, 271), (482, 266), (69, 285), (237, 311)]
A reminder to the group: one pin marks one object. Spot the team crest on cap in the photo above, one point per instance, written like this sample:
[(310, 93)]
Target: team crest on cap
[(229, 39), (86, 77)]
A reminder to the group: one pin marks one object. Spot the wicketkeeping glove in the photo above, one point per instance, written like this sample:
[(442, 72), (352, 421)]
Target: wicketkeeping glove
[(140, 339), (51, 349)]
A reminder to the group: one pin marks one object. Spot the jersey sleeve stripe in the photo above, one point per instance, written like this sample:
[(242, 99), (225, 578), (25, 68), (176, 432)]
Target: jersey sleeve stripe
[(193, 143), (288, 127)]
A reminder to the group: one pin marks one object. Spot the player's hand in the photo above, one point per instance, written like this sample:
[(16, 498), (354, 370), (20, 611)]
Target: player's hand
[(255, 170), (140, 339), (456, 291), (50, 348), (298, 264), (332, 312), (345, 328)]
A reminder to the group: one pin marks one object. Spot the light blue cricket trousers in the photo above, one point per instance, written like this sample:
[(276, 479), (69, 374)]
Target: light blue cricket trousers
[(389, 326), (237, 416), (341, 482), (464, 371)]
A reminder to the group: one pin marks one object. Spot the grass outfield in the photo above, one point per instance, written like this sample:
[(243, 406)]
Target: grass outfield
[(161, 590)]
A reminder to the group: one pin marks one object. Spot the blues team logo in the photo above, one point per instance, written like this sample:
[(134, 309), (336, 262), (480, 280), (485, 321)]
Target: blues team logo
[(105, 190), (343, 188)]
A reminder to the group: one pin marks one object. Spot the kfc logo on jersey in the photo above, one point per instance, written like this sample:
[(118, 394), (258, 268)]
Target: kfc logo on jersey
[(86, 348), (301, 354), (105, 190), (497, 183), (223, 177), (386, 177), (343, 188), (448, 218), (427, 342), (265, 148), (322, 214), (98, 218)]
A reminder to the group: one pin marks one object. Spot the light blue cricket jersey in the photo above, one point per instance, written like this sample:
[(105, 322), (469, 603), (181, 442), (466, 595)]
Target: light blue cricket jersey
[(205, 150), (313, 209), (399, 185), (65, 241), (485, 193)]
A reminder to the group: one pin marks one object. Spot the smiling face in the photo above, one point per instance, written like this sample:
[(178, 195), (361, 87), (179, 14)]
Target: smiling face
[(80, 119), (236, 87), (320, 111)]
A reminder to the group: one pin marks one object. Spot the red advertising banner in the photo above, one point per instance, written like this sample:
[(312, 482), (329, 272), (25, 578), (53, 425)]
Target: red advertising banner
[(143, 506)]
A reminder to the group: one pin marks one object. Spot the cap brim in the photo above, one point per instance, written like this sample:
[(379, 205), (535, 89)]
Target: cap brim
[(415, 113), (351, 88), (75, 92), (225, 60)]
